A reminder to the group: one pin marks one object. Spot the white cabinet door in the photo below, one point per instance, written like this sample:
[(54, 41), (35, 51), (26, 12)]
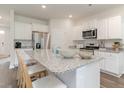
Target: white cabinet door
[(19, 30), (112, 64), (102, 31), (44, 28), (92, 24), (102, 62), (115, 31), (110, 28), (28, 31), (39, 27), (23, 30)]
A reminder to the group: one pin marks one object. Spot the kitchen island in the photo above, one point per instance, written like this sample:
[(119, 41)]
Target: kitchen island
[(74, 72)]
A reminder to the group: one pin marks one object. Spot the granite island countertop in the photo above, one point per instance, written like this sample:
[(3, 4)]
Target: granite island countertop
[(58, 64)]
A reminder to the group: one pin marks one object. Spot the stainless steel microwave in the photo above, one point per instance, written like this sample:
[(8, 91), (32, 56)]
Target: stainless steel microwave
[(89, 34)]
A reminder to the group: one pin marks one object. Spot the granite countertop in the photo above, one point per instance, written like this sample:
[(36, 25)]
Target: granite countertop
[(58, 64)]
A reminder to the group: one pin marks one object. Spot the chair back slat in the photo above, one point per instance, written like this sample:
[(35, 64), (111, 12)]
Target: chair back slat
[(24, 77)]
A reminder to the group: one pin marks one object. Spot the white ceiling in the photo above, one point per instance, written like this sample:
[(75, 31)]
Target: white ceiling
[(58, 10)]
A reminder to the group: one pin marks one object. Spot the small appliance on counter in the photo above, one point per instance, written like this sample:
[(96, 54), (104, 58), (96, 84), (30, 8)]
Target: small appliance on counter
[(18, 44), (38, 45), (116, 46)]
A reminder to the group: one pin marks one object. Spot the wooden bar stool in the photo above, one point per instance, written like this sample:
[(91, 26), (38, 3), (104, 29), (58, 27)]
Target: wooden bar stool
[(34, 71), (49, 81)]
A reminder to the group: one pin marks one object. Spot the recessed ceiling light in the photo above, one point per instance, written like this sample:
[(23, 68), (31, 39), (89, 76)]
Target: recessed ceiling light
[(43, 6), (70, 16), (0, 17), (2, 32)]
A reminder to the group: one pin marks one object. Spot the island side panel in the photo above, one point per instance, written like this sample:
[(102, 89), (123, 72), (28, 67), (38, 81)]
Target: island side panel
[(88, 76), (68, 77)]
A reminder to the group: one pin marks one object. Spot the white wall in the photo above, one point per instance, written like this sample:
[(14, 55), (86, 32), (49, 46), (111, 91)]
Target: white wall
[(29, 20), (11, 40), (5, 38), (4, 25), (61, 32), (4, 22)]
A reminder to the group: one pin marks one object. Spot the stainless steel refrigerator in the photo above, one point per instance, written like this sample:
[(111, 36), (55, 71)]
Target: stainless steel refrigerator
[(40, 40)]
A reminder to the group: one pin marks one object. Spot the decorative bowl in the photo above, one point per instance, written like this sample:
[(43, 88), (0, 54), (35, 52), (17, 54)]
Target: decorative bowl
[(85, 55), (68, 53)]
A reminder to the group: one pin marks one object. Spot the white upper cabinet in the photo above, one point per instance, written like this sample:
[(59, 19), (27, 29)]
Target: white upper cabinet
[(39, 27), (89, 24), (92, 24), (23, 31), (115, 31), (102, 29), (110, 28), (28, 31)]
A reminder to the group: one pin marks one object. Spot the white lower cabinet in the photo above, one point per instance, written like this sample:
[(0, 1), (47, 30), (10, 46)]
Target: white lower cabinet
[(112, 62), (87, 76)]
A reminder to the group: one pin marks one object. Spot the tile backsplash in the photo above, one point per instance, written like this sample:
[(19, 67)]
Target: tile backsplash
[(107, 43)]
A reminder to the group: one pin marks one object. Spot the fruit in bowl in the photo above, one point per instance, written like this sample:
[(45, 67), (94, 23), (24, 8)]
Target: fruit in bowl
[(85, 55), (68, 53)]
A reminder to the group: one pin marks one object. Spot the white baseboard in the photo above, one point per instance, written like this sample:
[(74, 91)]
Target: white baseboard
[(113, 74)]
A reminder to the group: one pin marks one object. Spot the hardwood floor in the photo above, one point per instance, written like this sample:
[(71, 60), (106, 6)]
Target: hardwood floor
[(7, 76), (108, 81), (8, 79)]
